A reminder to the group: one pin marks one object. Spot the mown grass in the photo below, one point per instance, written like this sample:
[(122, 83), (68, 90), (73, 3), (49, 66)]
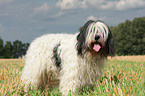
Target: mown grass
[(121, 78)]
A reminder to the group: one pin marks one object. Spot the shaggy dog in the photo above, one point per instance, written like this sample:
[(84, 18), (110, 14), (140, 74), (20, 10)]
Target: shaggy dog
[(73, 60)]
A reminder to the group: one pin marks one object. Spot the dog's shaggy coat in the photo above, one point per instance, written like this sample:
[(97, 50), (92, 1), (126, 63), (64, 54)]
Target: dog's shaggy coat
[(75, 60)]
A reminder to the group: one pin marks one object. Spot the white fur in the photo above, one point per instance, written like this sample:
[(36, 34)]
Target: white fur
[(75, 72)]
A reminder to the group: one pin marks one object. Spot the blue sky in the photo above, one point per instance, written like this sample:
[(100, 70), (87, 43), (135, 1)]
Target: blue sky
[(25, 20)]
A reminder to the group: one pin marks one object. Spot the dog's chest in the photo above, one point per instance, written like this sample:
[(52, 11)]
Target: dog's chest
[(89, 72)]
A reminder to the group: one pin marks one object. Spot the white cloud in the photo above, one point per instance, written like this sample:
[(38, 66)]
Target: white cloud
[(73, 4), (100, 4), (67, 4), (127, 4), (43, 8), (83, 4), (60, 13), (94, 18), (95, 2), (108, 5)]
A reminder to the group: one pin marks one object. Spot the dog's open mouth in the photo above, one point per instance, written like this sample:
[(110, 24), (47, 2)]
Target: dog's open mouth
[(96, 46)]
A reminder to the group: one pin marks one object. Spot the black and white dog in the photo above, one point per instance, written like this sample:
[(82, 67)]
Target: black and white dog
[(75, 60)]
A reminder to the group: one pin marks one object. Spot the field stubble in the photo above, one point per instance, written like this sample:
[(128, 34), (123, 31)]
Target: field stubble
[(122, 76)]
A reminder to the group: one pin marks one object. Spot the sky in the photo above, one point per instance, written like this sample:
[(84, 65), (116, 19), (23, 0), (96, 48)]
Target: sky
[(26, 20)]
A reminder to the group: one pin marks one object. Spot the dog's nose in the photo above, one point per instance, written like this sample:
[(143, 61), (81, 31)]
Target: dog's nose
[(97, 37)]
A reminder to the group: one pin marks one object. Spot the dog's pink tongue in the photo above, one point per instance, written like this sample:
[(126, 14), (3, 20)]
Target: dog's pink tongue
[(97, 47)]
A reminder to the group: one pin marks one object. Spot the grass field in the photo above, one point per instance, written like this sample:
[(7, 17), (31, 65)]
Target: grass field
[(122, 77)]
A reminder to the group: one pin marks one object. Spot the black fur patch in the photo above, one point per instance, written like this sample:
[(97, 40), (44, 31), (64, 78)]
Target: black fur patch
[(56, 55), (109, 45), (81, 38)]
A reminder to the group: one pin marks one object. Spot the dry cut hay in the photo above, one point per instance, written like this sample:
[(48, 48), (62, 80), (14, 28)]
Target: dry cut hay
[(137, 58), (134, 58), (11, 59)]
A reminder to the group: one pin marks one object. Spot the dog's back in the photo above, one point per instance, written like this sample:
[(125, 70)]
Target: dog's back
[(40, 58)]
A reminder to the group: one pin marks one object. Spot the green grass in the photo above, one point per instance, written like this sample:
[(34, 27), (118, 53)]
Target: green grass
[(124, 78)]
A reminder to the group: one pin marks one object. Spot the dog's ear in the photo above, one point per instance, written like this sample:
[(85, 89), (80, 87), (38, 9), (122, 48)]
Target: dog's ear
[(81, 37), (82, 30), (111, 44)]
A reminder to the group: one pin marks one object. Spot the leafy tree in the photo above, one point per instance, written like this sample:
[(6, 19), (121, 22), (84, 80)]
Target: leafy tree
[(24, 48), (1, 47), (17, 48), (138, 35), (129, 37), (8, 50)]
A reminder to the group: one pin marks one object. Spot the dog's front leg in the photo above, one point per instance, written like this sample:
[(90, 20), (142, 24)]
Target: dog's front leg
[(69, 82)]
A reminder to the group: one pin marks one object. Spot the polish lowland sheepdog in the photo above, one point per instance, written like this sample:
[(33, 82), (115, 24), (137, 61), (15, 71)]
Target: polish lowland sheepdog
[(71, 61)]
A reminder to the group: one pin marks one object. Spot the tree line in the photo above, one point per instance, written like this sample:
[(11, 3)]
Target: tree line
[(13, 50), (129, 39)]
